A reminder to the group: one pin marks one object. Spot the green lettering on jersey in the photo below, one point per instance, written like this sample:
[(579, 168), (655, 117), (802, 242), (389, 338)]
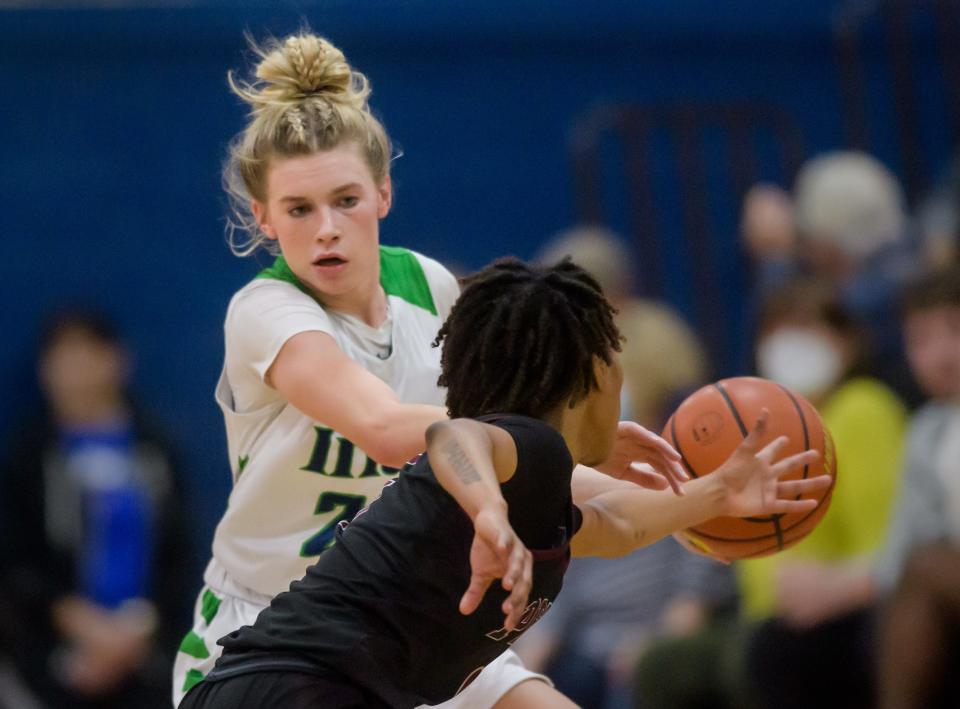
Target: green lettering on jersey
[(370, 470), (401, 275), (321, 449), (346, 508), (346, 461)]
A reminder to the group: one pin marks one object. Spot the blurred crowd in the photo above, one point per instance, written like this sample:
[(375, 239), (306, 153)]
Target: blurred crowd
[(855, 304)]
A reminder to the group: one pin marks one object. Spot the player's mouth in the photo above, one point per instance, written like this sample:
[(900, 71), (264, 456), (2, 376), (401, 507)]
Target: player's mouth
[(329, 263)]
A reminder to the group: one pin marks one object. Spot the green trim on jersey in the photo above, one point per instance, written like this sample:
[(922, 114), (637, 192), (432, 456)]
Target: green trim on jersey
[(194, 677), (193, 645), (209, 606), (280, 271), (400, 274)]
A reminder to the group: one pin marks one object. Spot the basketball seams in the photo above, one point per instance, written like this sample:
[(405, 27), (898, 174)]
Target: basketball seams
[(778, 532), (824, 446), (806, 467), (774, 548), (787, 542), (803, 423), (786, 530), (773, 519), (733, 409), (732, 540), (676, 447)]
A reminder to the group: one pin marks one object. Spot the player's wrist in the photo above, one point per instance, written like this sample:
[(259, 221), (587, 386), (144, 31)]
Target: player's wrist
[(710, 497), (493, 507)]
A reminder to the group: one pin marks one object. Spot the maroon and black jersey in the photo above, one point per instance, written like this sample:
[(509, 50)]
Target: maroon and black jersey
[(380, 608)]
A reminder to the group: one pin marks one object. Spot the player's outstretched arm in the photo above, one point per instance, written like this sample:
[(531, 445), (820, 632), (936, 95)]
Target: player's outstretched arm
[(470, 459), (748, 483), (313, 374)]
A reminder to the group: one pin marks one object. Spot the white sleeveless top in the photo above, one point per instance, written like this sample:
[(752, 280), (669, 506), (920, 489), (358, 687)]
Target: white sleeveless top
[(294, 478)]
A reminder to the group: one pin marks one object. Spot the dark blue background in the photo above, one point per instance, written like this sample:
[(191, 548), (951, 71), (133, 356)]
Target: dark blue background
[(114, 124)]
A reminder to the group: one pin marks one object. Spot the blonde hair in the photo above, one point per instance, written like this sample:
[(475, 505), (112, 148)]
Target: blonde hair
[(304, 98), (662, 357)]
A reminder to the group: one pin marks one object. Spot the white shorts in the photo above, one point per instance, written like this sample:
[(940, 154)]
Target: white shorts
[(216, 614)]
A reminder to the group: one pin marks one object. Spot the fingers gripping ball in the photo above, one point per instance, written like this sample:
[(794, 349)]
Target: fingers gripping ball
[(707, 428)]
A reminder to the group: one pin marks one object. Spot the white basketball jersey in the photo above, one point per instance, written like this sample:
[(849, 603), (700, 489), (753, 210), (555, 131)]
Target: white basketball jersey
[(294, 478)]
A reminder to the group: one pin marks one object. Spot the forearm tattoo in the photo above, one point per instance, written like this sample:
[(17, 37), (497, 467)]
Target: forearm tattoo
[(460, 463)]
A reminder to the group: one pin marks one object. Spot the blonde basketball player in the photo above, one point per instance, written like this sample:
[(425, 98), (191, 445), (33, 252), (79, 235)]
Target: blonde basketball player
[(329, 380)]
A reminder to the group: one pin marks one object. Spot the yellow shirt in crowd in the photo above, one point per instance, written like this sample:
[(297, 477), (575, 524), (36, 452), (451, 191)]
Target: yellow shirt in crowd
[(868, 423)]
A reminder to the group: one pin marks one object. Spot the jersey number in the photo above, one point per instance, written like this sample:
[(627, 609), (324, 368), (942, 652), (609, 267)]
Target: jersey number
[(346, 507)]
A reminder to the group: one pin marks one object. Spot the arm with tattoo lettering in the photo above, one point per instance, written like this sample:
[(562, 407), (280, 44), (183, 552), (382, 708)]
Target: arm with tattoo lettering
[(470, 459)]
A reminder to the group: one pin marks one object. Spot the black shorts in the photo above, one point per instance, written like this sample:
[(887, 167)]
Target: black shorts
[(278, 690)]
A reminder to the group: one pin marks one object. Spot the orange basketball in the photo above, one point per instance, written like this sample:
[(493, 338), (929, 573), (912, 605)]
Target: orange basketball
[(707, 428)]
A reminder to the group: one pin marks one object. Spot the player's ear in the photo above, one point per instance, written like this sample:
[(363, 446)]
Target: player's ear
[(384, 197), (602, 371), (260, 213)]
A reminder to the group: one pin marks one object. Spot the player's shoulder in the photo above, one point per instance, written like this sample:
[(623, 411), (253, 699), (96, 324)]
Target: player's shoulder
[(443, 284), (265, 291), (433, 269), (538, 438), (418, 279)]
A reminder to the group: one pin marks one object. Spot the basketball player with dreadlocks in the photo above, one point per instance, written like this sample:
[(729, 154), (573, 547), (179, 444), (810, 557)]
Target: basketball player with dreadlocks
[(381, 620)]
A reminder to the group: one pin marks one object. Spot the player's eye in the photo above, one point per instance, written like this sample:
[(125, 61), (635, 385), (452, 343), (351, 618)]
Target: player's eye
[(349, 201), (298, 211)]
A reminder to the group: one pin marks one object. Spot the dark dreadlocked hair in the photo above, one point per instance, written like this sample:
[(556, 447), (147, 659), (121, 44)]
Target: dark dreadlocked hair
[(522, 339)]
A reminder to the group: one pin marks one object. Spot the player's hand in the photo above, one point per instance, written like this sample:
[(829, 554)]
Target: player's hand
[(751, 477), (498, 553), (104, 647), (644, 458)]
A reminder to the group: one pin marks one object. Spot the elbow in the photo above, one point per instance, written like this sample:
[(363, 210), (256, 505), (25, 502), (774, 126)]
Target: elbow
[(393, 454), (435, 431), (385, 446)]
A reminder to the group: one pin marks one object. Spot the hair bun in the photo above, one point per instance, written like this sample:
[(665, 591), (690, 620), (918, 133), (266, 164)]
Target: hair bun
[(301, 66)]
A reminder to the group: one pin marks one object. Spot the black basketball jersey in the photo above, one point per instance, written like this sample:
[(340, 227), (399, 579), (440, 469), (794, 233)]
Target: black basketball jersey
[(380, 608)]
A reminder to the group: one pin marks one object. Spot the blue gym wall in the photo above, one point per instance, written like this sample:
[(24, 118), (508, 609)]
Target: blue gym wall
[(114, 124)]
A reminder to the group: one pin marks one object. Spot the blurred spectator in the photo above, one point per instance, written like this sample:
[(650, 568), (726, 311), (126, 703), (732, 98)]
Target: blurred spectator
[(846, 223), (797, 602), (92, 550), (599, 251), (939, 218), (810, 343), (920, 567), (589, 642)]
